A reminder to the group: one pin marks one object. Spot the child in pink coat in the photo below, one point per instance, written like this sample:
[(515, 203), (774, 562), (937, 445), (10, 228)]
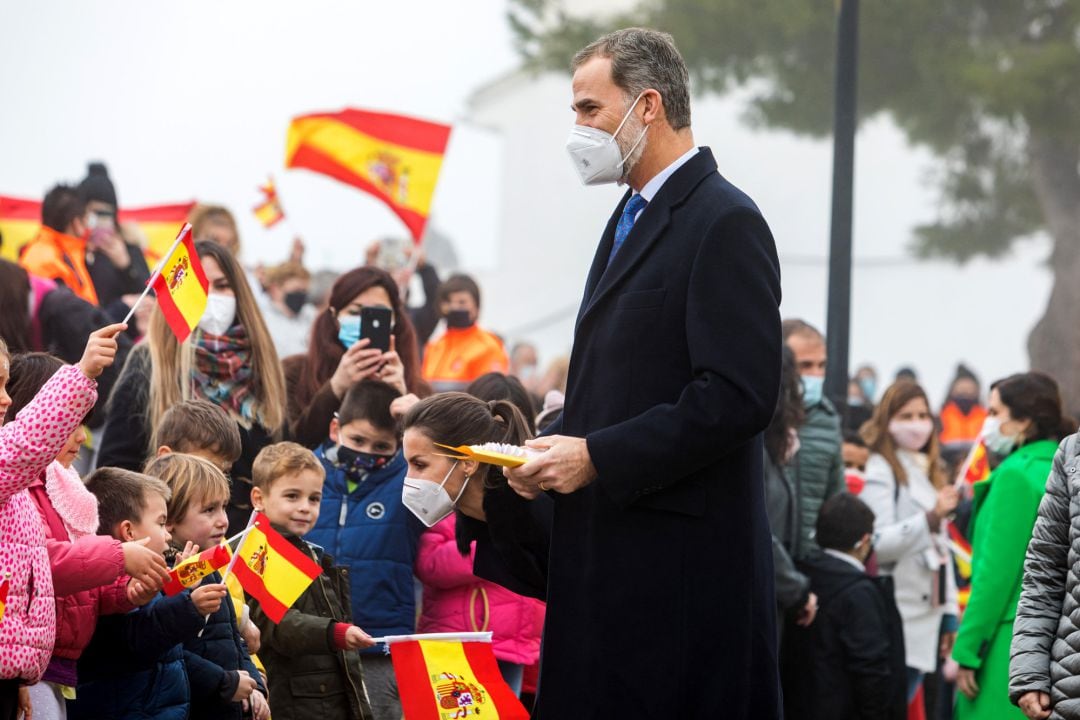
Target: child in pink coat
[(90, 572), (28, 443)]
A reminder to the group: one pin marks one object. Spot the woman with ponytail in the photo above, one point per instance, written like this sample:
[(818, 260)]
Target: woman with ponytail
[(1024, 425), (456, 600)]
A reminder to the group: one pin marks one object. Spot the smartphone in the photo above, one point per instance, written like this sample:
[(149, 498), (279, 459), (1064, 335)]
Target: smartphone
[(375, 325)]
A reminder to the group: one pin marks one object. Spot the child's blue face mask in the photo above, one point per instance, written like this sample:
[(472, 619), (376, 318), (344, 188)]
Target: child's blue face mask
[(349, 334)]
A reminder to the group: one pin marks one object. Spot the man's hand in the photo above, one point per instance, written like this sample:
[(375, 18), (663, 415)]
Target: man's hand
[(145, 565), (564, 466), (965, 683), (1036, 705), (807, 612)]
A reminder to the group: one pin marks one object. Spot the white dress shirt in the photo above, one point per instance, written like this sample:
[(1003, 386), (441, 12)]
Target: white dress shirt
[(653, 186)]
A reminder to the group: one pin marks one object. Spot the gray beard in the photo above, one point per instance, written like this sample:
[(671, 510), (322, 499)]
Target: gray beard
[(627, 137)]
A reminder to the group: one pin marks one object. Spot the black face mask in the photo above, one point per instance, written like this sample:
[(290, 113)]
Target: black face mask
[(296, 300), (358, 465), (458, 319), (966, 404)]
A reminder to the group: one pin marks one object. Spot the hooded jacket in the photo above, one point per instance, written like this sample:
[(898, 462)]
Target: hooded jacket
[(28, 443)]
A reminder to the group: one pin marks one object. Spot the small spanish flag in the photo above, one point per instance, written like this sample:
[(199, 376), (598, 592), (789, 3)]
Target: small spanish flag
[(395, 158), (978, 464), (189, 572), (3, 594), (269, 211), (272, 570), (445, 676), (181, 286)]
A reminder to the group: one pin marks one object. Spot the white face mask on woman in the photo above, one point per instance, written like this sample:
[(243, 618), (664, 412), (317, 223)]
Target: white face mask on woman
[(219, 315), (911, 434), (997, 443), (428, 500)]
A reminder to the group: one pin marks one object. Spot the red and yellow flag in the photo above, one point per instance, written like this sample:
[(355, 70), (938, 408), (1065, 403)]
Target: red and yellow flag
[(395, 158), (21, 218), (269, 211), (189, 572), (272, 570), (181, 286), (446, 678), (978, 465)]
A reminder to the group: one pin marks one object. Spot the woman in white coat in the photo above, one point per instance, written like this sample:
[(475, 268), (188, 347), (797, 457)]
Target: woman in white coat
[(911, 499)]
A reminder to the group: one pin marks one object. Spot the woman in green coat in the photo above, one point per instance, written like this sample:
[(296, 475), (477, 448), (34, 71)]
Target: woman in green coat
[(1024, 427)]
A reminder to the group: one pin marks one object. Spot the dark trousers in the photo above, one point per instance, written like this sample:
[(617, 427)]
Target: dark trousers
[(9, 699)]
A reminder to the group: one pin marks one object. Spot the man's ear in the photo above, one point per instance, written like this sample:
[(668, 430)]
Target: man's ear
[(335, 428), (654, 106), (164, 450), (257, 498)]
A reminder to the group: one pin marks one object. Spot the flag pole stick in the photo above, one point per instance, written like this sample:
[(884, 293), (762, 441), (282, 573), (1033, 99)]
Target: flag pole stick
[(967, 462), (157, 270), (243, 536)]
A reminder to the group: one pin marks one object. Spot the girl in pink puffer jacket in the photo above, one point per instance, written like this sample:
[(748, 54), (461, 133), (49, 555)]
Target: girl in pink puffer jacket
[(455, 600), (90, 572), (28, 443)]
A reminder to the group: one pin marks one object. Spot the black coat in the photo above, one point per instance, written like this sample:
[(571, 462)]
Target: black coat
[(660, 580), (849, 664)]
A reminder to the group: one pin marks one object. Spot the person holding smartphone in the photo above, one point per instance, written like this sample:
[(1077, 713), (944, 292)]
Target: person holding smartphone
[(344, 349)]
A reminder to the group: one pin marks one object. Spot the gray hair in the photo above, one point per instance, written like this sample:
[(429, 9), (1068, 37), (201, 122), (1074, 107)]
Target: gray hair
[(643, 59)]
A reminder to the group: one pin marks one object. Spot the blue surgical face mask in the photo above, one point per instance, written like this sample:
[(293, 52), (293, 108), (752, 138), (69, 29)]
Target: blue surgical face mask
[(349, 334), (813, 387), (869, 387)]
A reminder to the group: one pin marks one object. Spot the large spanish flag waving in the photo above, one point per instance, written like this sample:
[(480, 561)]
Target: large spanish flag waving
[(450, 676), (21, 218), (181, 286), (271, 569), (395, 158)]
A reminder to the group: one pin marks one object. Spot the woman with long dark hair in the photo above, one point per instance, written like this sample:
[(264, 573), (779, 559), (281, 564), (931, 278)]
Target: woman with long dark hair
[(782, 501), (338, 358), (228, 360), (1024, 425)]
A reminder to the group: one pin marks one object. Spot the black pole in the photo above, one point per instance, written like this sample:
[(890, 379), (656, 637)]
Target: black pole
[(839, 308)]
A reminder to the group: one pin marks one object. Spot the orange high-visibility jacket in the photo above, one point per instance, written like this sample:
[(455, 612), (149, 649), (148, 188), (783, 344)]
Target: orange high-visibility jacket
[(462, 355), (958, 427), (56, 256)]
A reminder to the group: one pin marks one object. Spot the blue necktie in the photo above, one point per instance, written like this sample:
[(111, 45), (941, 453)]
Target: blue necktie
[(626, 221)]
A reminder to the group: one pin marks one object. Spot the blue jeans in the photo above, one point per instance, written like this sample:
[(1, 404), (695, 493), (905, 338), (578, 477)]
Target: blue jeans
[(512, 673)]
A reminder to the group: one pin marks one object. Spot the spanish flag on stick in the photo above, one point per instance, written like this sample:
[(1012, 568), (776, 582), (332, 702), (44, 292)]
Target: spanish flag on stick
[(181, 286), (271, 569), (190, 572), (451, 675), (269, 211), (395, 158)]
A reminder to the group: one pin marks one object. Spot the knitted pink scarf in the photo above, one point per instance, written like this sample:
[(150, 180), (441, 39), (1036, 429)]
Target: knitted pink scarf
[(75, 505)]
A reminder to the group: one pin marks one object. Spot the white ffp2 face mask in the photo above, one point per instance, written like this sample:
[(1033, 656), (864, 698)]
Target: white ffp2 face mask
[(428, 500), (219, 315), (595, 153)]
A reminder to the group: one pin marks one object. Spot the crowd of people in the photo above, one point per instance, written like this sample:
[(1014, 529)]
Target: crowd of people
[(125, 451), (909, 583), (899, 540)]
